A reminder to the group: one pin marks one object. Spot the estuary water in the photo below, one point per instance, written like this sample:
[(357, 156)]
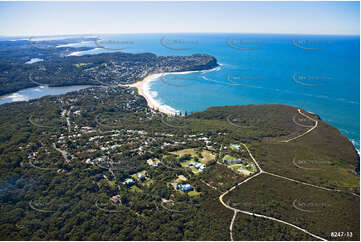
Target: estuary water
[(37, 92)]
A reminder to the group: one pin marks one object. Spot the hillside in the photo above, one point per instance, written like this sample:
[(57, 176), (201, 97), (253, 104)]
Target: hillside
[(65, 159)]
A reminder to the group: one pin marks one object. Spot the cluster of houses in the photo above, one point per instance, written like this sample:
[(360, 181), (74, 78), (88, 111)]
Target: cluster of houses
[(198, 166), (154, 163), (141, 177), (139, 140), (227, 159), (184, 187), (89, 140), (235, 160), (130, 181)]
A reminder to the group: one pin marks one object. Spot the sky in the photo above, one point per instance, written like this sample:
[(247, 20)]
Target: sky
[(58, 18)]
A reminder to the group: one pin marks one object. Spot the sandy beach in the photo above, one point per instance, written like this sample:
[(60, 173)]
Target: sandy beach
[(143, 88)]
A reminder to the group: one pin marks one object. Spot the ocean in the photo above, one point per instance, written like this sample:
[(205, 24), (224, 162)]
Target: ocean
[(318, 73)]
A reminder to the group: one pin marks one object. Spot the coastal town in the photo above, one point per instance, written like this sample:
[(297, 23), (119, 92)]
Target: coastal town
[(106, 69), (109, 162), (109, 147)]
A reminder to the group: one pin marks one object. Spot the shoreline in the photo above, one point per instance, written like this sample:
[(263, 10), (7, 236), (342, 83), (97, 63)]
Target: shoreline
[(20, 96), (144, 90)]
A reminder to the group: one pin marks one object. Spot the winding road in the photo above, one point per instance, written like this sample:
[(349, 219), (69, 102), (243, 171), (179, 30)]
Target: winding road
[(63, 153), (260, 171), (235, 210), (299, 136)]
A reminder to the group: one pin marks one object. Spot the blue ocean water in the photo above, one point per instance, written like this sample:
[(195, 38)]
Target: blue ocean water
[(316, 72)]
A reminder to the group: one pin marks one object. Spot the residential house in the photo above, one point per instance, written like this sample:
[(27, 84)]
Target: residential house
[(129, 182)]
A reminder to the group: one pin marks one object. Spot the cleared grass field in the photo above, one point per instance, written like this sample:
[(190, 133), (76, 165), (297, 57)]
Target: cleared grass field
[(206, 155)]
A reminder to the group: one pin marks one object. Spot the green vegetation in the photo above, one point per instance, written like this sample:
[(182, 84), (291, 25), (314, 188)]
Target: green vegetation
[(253, 228), (64, 159), (103, 136), (309, 163), (106, 69), (308, 207)]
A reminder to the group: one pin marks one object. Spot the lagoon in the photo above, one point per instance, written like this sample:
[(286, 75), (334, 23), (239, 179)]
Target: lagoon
[(38, 92)]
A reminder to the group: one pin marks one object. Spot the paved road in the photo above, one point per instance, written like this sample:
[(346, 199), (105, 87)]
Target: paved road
[(63, 153), (68, 120)]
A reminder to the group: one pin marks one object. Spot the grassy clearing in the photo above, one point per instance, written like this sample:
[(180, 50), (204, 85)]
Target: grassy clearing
[(206, 154), (192, 152), (181, 178), (193, 193)]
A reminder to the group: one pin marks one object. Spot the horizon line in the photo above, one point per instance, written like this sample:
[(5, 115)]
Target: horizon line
[(51, 35)]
